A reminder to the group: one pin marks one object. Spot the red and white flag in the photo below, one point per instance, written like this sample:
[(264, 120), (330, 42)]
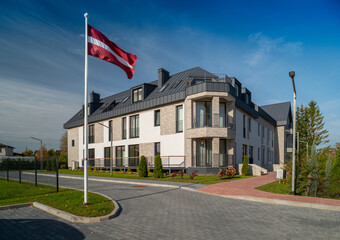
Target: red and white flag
[(101, 47)]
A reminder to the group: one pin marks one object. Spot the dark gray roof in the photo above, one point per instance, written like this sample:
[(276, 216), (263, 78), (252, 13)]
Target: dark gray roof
[(176, 91), (279, 111), (3, 145)]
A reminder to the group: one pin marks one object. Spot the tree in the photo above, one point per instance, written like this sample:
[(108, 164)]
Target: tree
[(334, 187), (143, 167), (51, 152), (63, 142), (245, 166), (158, 170), (28, 153), (38, 153)]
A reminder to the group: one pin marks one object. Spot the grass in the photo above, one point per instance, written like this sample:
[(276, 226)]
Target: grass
[(206, 179), (67, 200), (275, 187)]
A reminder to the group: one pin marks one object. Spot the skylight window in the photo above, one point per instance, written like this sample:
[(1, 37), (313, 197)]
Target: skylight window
[(176, 84), (126, 98), (163, 87)]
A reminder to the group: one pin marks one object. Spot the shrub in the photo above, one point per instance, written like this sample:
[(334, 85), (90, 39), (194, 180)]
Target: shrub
[(53, 164), (89, 168), (220, 173), (193, 174), (95, 169), (129, 171), (158, 170), (182, 173), (121, 171), (245, 166), (107, 171), (48, 165), (63, 166), (174, 174), (142, 167), (334, 187), (230, 172)]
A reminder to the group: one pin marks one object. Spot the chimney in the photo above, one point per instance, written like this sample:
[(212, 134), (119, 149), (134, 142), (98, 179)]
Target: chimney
[(94, 97), (163, 76)]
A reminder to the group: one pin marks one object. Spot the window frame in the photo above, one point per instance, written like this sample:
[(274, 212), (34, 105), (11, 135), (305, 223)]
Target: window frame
[(124, 131), (157, 113), (72, 144), (155, 152), (178, 130), (91, 134), (134, 132), (139, 95)]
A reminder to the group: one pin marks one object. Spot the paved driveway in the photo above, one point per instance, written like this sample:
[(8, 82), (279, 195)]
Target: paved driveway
[(165, 213)]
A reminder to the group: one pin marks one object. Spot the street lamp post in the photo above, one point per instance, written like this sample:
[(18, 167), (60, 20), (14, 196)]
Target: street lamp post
[(41, 153), (111, 150), (292, 75)]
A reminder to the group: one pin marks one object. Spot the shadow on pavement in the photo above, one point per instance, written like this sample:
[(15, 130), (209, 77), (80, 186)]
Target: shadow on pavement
[(37, 229)]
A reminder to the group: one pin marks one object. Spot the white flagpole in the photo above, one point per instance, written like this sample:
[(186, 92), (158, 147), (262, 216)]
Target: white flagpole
[(85, 118)]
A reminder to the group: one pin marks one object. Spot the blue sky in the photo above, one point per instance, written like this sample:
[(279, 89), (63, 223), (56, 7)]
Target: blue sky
[(259, 42)]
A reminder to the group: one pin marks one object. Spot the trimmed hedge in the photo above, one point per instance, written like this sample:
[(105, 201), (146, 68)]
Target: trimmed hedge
[(158, 170)]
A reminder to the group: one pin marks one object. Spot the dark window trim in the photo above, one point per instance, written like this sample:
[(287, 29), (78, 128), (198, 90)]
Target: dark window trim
[(133, 133), (73, 144), (110, 131), (177, 107), (156, 148), (91, 133), (124, 128), (139, 93), (155, 118)]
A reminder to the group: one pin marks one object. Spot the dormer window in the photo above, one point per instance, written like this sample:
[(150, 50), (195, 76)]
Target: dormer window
[(237, 90), (247, 98), (137, 95)]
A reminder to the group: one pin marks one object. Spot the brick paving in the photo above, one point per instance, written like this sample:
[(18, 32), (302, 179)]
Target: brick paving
[(168, 213), (245, 187)]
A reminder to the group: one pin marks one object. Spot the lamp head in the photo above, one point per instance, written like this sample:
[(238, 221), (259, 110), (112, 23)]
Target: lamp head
[(292, 74)]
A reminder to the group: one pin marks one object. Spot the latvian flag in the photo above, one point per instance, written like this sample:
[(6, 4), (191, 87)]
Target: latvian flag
[(101, 47)]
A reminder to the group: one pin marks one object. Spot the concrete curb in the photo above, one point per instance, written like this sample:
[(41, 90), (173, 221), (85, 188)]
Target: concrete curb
[(277, 201), (68, 216)]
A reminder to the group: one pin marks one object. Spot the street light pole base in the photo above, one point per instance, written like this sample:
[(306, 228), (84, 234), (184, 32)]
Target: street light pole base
[(84, 203), (293, 193)]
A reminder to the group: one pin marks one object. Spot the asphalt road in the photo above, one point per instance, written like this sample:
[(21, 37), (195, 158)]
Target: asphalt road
[(167, 213)]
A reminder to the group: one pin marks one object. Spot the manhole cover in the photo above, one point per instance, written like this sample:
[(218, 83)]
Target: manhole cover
[(139, 186)]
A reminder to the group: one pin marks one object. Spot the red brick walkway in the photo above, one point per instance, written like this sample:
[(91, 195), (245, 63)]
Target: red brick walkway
[(245, 187)]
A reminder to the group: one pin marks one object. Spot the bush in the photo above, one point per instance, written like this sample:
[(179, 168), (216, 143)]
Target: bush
[(53, 164), (334, 187), (89, 168), (48, 165), (193, 174), (220, 173), (230, 172), (95, 169), (142, 167), (158, 170), (129, 171), (121, 171), (245, 166)]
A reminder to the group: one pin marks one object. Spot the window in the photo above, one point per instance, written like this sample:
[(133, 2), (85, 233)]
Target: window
[(244, 150), (179, 118), (249, 125), (163, 87), (72, 144), (223, 119), (237, 87), (0, 149), (107, 156), (244, 126), (91, 157), (174, 85), (259, 129), (110, 130), (251, 154), (125, 99), (247, 98), (133, 155), (203, 115), (134, 126), (124, 128), (91, 133), (120, 154), (157, 118), (157, 148), (137, 95)]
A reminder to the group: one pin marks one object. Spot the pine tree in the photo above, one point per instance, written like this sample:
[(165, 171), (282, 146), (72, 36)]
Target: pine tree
[(143, 167), (158, 170), (316, 132)]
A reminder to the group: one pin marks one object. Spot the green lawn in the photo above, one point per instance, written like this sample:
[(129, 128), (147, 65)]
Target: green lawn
[(67, 200), (206, 179), (275, 187)]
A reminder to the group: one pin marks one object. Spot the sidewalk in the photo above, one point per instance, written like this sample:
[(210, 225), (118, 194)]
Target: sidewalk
[(244, 189)]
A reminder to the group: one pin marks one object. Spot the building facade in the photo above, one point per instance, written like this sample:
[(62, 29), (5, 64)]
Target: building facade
[(193, 120), (6, 150)]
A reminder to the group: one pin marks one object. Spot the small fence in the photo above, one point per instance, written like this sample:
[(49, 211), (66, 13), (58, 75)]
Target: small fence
[(26, 169)]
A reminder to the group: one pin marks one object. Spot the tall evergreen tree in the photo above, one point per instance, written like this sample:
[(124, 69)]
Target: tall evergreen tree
[(316, 132)]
